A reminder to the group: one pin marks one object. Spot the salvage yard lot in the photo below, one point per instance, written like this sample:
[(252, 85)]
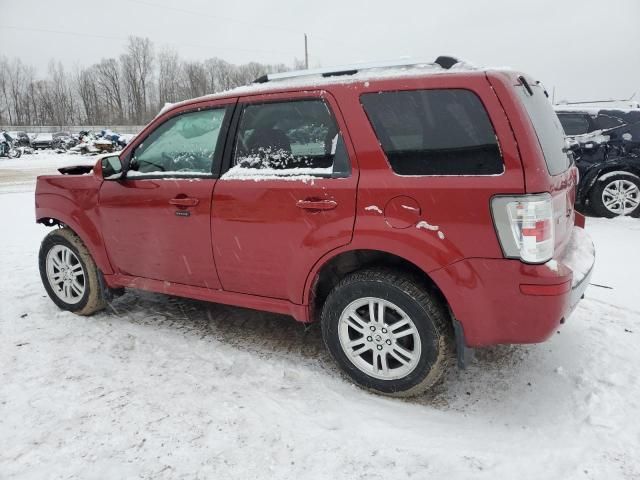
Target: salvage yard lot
[(161, 387)]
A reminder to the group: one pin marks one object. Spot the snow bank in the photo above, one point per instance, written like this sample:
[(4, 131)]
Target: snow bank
[(164, 388)]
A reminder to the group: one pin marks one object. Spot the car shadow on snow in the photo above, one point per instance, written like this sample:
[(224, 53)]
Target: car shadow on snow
[(271, 335)]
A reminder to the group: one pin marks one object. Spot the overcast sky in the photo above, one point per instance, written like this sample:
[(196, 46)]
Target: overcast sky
[(586, 49)]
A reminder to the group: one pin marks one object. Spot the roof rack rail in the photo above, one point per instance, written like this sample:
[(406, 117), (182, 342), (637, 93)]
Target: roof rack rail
[(443, 61)]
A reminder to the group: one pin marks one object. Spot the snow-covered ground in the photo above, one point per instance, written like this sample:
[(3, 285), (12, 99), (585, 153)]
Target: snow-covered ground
[(163, 387)]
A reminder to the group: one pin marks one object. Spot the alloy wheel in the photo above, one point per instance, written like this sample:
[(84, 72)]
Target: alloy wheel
[(65, 274), (379, 338), (621, 197)]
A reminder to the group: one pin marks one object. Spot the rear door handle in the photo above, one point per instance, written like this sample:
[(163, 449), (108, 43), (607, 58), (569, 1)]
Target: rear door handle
[(317, 204), (184, 202)]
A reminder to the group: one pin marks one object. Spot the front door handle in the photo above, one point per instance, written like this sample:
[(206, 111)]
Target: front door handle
[(184, 201), (317, 204)]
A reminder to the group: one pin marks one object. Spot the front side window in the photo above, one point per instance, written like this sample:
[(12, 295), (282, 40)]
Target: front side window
[(434, 132), (183, 145), (605, 121), (574, 124), (289, 138)]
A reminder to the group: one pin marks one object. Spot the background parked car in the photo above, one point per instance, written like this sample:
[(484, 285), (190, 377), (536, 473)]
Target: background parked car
[(42, 140), (20, 139), (63, 140), (7, 146), (606, 145)]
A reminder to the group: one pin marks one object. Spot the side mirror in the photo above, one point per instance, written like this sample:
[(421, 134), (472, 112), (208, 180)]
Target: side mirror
[(112, 168)]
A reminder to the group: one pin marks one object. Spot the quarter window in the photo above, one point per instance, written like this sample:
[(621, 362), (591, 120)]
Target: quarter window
[(288, 139), (183, 145), (434, 132)]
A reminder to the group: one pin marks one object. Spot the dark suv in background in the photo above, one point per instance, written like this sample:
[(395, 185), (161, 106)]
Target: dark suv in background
[(606, 146)]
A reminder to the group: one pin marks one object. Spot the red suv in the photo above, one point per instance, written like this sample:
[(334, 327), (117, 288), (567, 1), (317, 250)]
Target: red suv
[(414, 211)]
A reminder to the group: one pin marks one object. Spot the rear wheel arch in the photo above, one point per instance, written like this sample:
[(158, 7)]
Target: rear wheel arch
[(330, 272), (608, 168)]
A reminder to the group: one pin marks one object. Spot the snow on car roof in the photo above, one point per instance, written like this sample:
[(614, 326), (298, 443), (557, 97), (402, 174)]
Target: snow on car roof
[(594, 109), (315, 81)]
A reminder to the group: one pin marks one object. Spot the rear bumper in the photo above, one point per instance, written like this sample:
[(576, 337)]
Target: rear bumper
[(506, 301)]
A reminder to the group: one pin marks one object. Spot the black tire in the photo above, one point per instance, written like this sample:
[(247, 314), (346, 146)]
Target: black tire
[(429, 316), (595, 195), (92, 299)]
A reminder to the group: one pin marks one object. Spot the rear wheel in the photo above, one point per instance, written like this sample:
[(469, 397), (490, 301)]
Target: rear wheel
[(387, 332), (616, 194), (69, 274)]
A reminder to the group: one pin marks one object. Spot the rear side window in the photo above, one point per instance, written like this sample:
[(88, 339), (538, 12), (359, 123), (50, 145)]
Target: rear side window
[(548, 128), (434, 132), (574, 124)]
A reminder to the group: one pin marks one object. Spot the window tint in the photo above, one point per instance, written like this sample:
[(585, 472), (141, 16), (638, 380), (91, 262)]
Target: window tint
[(184, 144), (574, 124), (289, 138), (434, 132), (548, 128)]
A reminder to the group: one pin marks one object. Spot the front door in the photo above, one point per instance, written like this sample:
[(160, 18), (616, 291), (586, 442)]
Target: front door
[(288, 197), (156, 222)]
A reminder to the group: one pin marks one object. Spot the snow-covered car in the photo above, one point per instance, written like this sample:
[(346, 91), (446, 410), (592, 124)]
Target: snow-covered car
[(42, 141), (63, 140), (21, 139), (606, 145), (7, 146)]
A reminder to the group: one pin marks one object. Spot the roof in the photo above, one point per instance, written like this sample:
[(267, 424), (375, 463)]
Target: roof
[(314, 81)]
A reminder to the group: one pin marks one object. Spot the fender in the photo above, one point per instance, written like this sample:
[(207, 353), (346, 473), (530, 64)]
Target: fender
[(82, 220), (424, 252)]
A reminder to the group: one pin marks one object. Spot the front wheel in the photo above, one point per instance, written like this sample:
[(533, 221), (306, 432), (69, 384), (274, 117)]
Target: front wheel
[(616, 193), (69, 274), (387, 332)]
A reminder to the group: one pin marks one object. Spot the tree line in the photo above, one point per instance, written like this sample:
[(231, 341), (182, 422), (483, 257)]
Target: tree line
[(128, 90)]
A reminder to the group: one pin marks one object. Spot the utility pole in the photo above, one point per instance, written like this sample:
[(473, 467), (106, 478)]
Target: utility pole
[(306, 53)]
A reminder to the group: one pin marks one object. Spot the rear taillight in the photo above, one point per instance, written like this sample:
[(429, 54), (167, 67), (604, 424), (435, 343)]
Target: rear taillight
[(524, 224)]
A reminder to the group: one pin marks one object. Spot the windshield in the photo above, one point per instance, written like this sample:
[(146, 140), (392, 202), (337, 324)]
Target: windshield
[(548, 128)]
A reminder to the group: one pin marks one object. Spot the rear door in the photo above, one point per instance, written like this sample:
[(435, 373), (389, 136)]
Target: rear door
[(156, 222), (288, 194)]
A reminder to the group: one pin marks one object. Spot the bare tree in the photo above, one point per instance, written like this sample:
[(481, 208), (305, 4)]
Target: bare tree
[(5, 110), (168, 77), (195, 79), (62, 95), (107, 75), (121, 90), (220, 75), (136, 69), (87, 89)]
